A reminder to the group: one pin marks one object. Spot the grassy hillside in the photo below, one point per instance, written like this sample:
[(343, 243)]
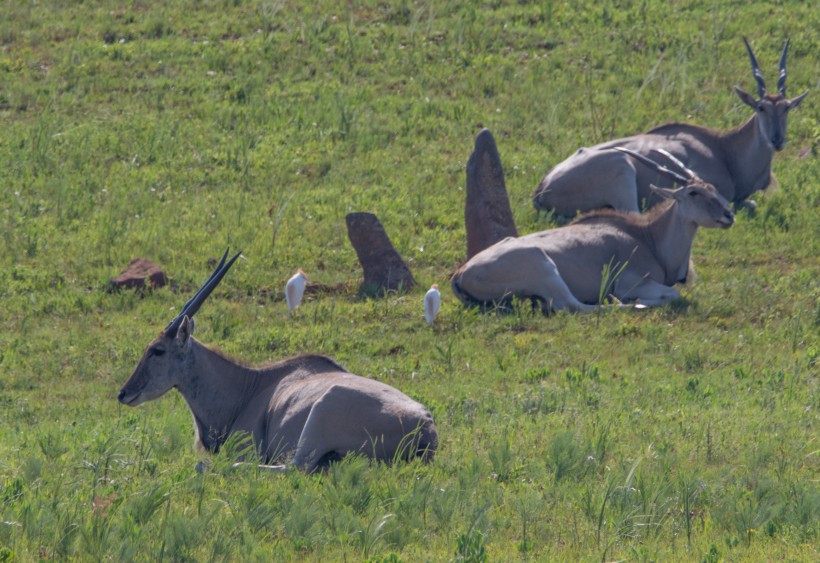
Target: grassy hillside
[(173, 130)]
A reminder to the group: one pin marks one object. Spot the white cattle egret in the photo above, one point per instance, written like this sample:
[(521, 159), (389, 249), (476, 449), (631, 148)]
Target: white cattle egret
[(295, 289), (432, 303)]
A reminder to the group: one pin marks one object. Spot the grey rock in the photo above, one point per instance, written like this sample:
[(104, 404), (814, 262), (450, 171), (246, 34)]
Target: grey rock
[(487, 214)]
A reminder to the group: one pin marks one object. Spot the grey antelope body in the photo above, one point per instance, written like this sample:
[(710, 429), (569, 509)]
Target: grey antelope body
[(308, 410), (737, 162), (564, 268)]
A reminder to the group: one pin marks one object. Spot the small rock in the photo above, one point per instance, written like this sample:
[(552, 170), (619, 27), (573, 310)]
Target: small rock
[(136, 274)]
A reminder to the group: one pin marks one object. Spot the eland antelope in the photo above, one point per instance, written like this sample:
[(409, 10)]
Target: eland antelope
[(737, 162), (635, 258), (306, 410)]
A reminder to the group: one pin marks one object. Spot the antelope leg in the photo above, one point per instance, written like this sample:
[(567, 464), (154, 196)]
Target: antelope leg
[(512, 268), (325, 428), (274, 468), (644, 291)]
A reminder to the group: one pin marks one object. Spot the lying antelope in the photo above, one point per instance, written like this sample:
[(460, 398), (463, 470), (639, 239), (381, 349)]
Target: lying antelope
[(308, 408), (737, 162), (564, 268)]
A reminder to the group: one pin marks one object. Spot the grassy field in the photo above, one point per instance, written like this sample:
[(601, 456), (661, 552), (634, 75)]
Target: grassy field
[(173, 130)]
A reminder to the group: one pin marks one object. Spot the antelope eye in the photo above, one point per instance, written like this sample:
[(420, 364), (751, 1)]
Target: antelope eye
[(693, 193), (157, 351)]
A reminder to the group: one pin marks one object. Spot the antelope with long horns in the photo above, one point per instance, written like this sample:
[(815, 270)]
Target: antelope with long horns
[(737, 162), (635, 258), (305, 411)]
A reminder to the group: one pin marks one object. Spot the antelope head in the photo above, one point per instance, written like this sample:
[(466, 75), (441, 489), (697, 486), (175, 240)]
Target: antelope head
[(697, 201), (165, 358), (771, 109)]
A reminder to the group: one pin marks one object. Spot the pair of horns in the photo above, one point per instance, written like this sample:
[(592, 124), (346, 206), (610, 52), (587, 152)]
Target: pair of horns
[(761, 84), (193, 304), (682, 179)]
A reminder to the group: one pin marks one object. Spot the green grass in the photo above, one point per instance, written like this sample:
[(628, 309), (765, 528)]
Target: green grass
[(172, 130)]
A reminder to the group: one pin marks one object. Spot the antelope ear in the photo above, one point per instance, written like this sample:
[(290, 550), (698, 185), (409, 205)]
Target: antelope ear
[(185, 331), (663, 193), (746, 97), (794, 102)]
